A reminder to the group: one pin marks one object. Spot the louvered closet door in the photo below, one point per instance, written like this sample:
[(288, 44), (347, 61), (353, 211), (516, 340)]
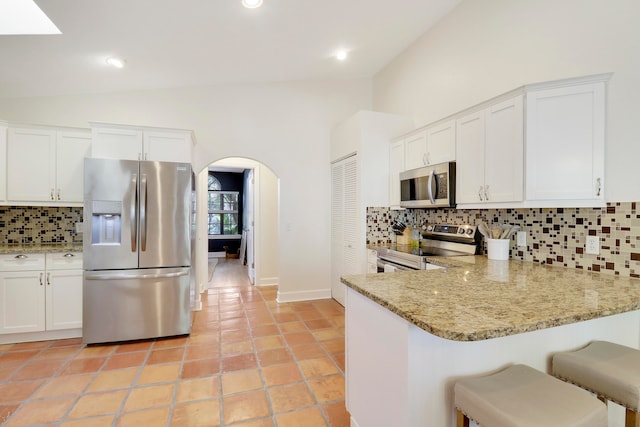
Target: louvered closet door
[(344, 223)]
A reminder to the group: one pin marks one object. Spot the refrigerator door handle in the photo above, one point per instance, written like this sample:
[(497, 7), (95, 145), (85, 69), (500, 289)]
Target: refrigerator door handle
[(134, 212), (143, 212), (124, 276)]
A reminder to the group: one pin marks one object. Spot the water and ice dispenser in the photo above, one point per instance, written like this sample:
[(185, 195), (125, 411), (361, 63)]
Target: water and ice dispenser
[(106, 222)]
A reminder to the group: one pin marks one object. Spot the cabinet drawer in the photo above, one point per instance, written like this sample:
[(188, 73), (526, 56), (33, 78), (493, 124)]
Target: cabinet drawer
[(21, 262), (64, 261)]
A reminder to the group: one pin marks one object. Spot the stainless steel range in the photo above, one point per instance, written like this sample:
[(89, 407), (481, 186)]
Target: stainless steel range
[(438, 240)]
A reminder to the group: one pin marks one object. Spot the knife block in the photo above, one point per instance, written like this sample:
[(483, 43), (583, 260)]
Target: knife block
[(405, 238)]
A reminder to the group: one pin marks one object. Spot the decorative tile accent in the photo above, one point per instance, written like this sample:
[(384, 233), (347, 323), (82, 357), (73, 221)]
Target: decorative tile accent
[(554, 236), (35, 225)]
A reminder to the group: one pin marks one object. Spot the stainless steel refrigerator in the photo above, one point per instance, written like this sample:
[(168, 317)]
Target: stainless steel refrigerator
[(137, 250)]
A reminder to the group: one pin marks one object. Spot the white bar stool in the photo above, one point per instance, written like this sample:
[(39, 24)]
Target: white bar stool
[(520, 396), (611, 371)]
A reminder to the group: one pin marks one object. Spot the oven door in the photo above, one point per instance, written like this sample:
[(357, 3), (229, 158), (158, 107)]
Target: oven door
[(385, 266)]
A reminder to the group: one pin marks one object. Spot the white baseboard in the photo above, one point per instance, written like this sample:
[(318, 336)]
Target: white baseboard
[(267, 281), (303, 295)]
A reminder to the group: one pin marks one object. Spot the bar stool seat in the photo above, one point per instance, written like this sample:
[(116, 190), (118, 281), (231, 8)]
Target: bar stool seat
[(612, 371), (520, 396)]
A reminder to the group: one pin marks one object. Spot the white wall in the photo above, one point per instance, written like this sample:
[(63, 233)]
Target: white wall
[(486, 47), (285, 126)]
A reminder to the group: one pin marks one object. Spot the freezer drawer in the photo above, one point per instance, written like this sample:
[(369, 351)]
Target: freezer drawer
[(136, 304)]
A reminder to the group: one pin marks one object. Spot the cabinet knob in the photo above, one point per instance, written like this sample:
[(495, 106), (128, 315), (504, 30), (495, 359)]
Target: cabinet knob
[(21, 256)]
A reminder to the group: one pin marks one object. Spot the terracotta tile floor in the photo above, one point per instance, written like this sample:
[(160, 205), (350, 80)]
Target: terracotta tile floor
[(249, 361)]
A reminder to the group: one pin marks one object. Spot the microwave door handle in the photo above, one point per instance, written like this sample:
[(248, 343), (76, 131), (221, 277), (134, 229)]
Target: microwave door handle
[(430, 188), (134, 213)]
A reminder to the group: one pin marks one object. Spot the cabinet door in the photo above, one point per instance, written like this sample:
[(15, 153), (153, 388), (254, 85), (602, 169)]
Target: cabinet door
[(22, 302), (470, 159), (415, 151), (565, 143), (396, 165), (71, 149), (345, 225), (3, 162), (504, 147), (441, 143), (31, 165), (63, 299), (116, 143), (167, 146)]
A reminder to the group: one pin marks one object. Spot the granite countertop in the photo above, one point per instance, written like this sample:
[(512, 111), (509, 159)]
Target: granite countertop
[(475, 299), (40, 248)]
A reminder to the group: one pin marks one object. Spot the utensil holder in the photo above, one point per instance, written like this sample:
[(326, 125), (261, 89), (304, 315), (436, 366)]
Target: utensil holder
[(498, 249)]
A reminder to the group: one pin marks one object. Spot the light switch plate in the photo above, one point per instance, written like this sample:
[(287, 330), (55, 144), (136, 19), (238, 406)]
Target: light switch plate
[(79, 226), (521, 238), (593, 245)]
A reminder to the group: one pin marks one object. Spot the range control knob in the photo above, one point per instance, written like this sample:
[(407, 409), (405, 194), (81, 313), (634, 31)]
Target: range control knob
[(429, 227), (461, 231), (470, 231)]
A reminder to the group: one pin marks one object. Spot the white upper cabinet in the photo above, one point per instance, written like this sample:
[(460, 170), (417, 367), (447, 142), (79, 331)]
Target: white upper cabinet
[(565, 143), (116, 143), (490, 149), (141, 143), (3, 161), (441, 143), (396, 165), (415, 150), (46, 165), (71, 150), (430, 145)]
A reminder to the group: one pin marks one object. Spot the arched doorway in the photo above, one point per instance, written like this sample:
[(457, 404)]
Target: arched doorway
[(257, 220)]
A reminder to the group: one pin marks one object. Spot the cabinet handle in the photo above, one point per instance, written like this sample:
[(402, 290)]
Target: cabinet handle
[(41, 278), (68, 255), (480, 193), (424, 159), (51, 194), (486, 192), (49, 279), (58, 194), (21, 256), (598, 186)]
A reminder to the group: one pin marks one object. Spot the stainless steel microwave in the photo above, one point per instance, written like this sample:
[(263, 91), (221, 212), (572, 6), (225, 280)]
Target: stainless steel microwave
[(431, 186)]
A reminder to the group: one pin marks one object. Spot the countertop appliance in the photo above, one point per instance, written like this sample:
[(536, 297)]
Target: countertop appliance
[(137, 250), (439, 240), (429, 186)]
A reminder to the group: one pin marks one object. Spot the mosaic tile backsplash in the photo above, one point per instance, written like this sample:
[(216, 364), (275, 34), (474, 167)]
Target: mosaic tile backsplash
[(36, 225), (554, 236)]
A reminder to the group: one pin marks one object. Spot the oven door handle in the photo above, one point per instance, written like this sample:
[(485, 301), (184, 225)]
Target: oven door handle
[(430, 187)]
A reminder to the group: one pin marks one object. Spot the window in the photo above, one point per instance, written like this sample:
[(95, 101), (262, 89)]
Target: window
[(223, 209)]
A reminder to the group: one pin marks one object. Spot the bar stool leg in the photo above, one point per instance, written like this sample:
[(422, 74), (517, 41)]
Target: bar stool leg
[(632, 419), (463, 421)]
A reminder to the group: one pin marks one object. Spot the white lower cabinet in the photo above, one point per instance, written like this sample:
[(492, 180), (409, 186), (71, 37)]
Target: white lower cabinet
[(39, 293)]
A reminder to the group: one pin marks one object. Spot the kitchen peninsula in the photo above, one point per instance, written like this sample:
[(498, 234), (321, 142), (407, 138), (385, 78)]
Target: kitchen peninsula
[(410, 335)]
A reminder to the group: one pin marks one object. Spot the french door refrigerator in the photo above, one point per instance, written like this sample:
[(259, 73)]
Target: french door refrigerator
[(137, 250)]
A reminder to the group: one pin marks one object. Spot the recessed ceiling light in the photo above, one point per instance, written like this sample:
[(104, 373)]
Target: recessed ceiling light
[(341, 55), (251, 4), (116, 62)]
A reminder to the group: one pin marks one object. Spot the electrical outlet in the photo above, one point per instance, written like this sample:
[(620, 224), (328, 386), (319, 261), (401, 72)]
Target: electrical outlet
[(79, 226), (521, 238), (593, 245)]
